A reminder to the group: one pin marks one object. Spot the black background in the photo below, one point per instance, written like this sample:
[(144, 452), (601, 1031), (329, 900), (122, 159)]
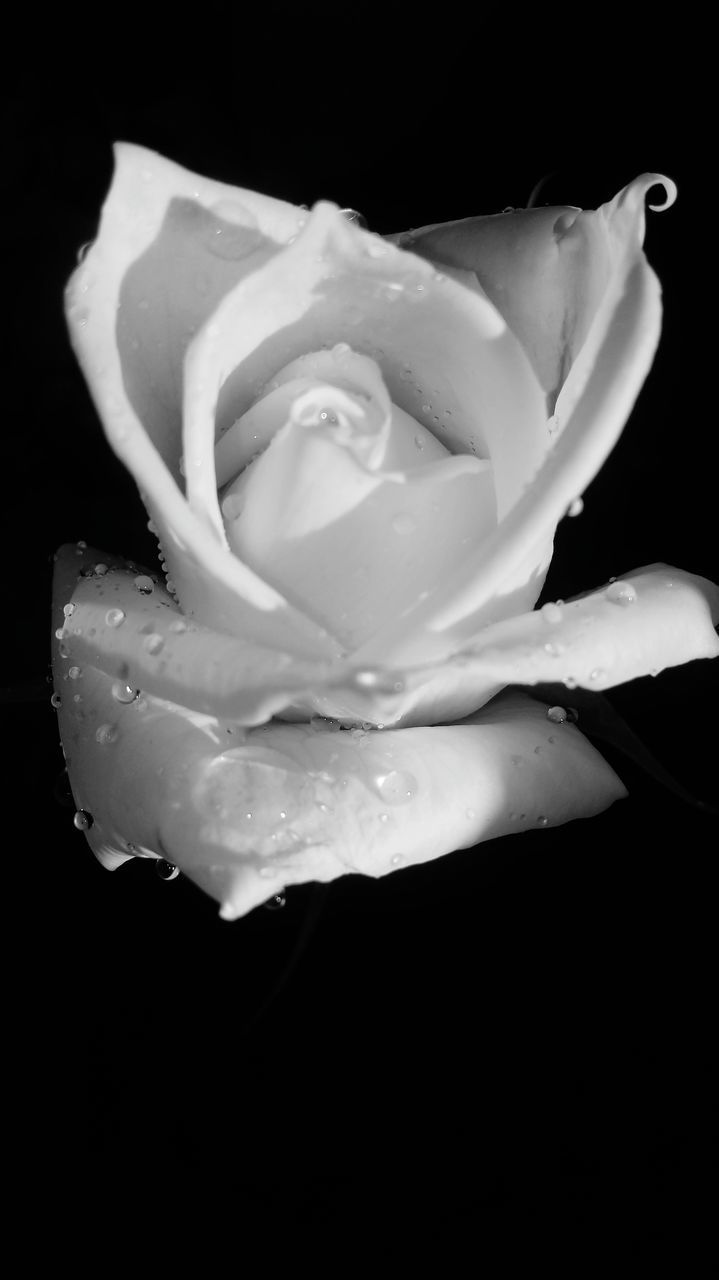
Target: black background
[(517, 1037)]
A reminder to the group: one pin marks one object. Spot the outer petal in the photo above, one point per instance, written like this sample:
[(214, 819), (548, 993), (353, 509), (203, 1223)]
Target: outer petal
[(456, 611), (545, 269), (170, 246), (653, 618), (243, 814), (121, 621)]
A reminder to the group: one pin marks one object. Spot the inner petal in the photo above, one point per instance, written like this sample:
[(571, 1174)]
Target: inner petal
[(352, 509)]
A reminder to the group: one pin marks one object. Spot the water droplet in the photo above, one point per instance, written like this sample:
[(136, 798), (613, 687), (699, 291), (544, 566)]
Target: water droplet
[(554, 650), (68, 609), (178, 626), (570, 682), (59, 633), (551, 613), (106, 734), (418, 443), (276, 902), (123, 692), (397, 860), (166, 870), (357, 219), (154, 643), (75, 672), (114, 617), (282, 813), (542, 821), (404, 524), (101, 569), (56, 701), (537, 751), (81, 546), (576, 507), (598, 674), (426, 408), (83, 820), (384, 817), (144, 584), (340, 349), (396, 787), (557, 715), (621, 593), (248, 815)]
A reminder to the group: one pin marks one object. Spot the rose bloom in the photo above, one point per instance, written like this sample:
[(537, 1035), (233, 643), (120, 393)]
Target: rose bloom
[(354, 452)]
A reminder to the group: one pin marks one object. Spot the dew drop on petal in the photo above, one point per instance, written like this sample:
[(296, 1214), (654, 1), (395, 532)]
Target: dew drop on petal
[(68, 609), (106, 734), (576, 508), (144, 584), (542, 821), (557, 715), (598, 674), (397, 860), (166, 870), (122, 692), (551, 613), (75, 672), (570, 682), (276, 902), (115, 617), (622, 593), (83, 820), (178, 626), (396, 787), (154, 643), (100, 570), (59, 633), (56, 701)]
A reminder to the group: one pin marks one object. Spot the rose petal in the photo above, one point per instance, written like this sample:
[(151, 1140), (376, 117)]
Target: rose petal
[(653, 618), (437, 345), (349, 542), (141, 639), (546, 269), (170, 245), (504, 563), (243, 814)]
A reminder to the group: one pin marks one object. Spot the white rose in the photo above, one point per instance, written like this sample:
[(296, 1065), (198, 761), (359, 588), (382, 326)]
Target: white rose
[(348, 460)]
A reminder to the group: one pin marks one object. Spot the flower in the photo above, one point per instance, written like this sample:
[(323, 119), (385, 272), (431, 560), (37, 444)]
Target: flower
[(347, 457)]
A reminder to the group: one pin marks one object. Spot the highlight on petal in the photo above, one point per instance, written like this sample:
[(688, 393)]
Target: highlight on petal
[(653, 618), (171, 244), (244, 813)]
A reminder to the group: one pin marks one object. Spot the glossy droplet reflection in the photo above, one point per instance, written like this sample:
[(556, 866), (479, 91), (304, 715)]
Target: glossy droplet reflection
[(557, 715), (56, 701), (122, 692), (622, 593), (396, 787), (144, 584), (106, 734), (114, 617), (166, 870), (83, 820), (276, 902)]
